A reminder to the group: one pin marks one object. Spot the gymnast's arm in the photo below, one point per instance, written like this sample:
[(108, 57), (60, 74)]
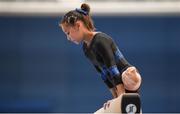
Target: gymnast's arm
[(104, 49), (103, 74)]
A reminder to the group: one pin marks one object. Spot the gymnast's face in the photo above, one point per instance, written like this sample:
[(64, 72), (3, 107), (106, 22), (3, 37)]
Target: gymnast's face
[(74, 33)]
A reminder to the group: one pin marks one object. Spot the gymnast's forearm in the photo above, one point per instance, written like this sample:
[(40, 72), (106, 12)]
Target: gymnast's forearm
[(113, 92), (117, 91)]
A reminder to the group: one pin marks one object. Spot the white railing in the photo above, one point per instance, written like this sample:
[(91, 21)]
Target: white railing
[(99, 7)]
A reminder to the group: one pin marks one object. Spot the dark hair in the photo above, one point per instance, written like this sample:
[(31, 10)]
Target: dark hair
[(82, 14)]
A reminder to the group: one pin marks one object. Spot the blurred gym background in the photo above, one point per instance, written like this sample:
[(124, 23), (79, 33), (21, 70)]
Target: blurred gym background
[(40, 71)]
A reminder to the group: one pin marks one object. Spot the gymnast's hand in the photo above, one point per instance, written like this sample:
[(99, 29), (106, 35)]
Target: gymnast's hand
[(131, 79)]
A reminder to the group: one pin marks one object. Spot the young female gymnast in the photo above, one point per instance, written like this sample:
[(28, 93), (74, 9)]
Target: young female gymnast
[(122, 78)]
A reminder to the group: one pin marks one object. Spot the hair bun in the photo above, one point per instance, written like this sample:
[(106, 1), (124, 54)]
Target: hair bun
[(85, 7)]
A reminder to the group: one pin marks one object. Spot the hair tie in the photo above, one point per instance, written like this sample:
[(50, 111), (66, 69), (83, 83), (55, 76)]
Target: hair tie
[(81, 11)]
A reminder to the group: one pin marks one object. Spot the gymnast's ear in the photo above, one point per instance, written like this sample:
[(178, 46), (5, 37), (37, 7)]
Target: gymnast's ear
[(77, 25)]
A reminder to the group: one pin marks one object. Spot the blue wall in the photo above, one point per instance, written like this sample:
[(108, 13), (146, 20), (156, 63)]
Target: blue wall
[(40, 71)]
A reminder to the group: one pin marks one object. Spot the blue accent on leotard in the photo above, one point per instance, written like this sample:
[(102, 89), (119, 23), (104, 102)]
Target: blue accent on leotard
[(113, 71), (118, 55), (104, 73)]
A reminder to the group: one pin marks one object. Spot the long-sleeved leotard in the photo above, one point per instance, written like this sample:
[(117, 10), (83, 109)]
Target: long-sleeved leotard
[(106, 58)]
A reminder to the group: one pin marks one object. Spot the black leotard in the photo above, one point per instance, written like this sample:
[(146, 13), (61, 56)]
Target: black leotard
[(106, 58)]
